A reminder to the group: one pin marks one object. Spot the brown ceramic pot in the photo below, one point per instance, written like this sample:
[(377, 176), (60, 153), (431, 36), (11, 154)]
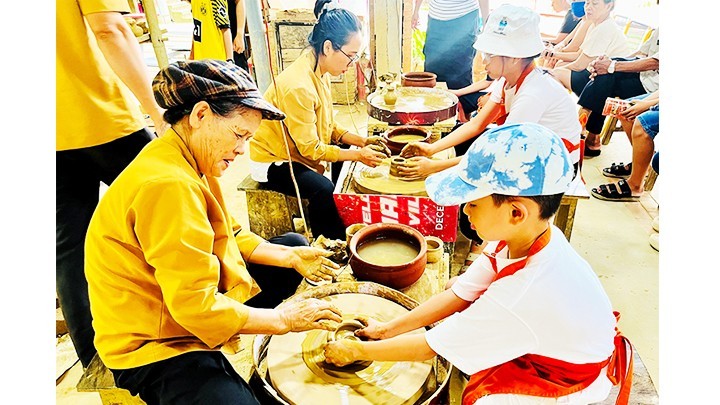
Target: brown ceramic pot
[(394, 276), (395, 144), (418, 79)]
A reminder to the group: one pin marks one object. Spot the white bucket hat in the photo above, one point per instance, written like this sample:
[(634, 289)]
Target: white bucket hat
[(511, 31), (516, 159)]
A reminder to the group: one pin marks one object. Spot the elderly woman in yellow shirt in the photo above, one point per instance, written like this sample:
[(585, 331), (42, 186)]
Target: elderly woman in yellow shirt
[(171, 276), (303, 92)]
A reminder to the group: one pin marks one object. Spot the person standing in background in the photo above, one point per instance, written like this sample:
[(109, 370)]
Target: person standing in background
[(211, 30), (236, 12), (570, 21), (99, 130), (452, 28)]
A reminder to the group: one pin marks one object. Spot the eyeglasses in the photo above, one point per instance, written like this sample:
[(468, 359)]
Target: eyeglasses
[(487, 56), (353, 58)]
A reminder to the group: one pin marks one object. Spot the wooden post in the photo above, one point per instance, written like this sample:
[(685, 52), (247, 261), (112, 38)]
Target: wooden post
[(256, 28), (407, 35), (155, 34), (391, 35)]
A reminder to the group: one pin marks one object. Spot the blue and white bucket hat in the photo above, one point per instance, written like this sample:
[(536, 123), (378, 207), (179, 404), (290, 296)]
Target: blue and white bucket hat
[(522, 160)]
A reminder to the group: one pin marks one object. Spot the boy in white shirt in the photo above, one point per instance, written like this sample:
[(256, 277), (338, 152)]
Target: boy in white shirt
[(529, 321)]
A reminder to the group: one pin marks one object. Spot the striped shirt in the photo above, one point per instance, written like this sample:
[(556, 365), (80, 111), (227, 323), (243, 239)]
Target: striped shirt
[(450, 9)]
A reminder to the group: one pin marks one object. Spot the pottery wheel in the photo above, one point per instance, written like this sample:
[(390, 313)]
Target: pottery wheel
[(378, 180), (297, 370)]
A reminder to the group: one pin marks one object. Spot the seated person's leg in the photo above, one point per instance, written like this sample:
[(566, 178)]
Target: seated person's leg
[(201, 377), (644, 130), (322, 213), (578, 80), (563, 76), (276, 283), (592, 99)]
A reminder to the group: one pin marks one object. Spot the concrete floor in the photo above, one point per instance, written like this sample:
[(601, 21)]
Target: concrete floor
[(611, 236)]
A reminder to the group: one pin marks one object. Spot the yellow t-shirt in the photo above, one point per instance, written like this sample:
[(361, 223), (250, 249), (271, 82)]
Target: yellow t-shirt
[(93, 106), (306, 99), (165, 261), (209, 17)]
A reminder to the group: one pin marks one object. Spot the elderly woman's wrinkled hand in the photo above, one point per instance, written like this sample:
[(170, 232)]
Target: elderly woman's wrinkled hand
[(416, 149), (342, 352), (380, 144), (308, 314), (313, 263)]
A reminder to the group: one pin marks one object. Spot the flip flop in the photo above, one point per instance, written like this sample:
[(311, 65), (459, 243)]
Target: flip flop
[(618, 170), (619, 191)]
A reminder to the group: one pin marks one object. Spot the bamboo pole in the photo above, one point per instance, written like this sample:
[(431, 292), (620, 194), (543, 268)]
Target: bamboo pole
[(155, 34)]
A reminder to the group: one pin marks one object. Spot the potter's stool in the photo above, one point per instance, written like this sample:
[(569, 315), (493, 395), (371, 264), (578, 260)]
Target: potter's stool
[(565, 216), (97, 378), (270, 213)]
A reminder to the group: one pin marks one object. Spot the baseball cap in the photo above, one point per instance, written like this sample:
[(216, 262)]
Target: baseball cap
[(187, 82), (578, 8), (524, 160), (511, 31)]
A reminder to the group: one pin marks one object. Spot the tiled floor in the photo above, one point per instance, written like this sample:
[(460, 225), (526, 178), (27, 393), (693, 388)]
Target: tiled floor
[(611, 236)]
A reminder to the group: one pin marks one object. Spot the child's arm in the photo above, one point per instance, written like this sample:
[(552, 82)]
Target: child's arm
[(472, 88), (402, 348), (438, 307), (486, 115)]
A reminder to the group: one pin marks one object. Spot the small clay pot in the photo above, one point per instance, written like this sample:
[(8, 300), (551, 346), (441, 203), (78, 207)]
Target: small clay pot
[(418, 79), (390, 97), (346, 330), (351, 230), (394, 135), (434, 136), (395, 163), (394, 276), (434, 249)]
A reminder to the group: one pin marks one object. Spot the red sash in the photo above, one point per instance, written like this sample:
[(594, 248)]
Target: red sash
[(502, 113), (541, 376)]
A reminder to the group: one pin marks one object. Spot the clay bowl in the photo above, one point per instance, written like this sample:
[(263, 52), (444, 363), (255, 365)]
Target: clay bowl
[(394, 272), (400, 136), (418, 79)]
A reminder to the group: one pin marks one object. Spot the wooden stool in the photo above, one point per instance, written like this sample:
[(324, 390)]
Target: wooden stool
[(97, 378), (270, 213), (650, 179), (609, 127)]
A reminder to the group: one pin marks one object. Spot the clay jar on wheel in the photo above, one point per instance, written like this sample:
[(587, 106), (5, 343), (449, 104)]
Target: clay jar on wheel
[(397, 274), (398, 137), (418, 79)]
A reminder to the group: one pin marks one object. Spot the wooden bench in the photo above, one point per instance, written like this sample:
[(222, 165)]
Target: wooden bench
[(565, 216), (270, 213)]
